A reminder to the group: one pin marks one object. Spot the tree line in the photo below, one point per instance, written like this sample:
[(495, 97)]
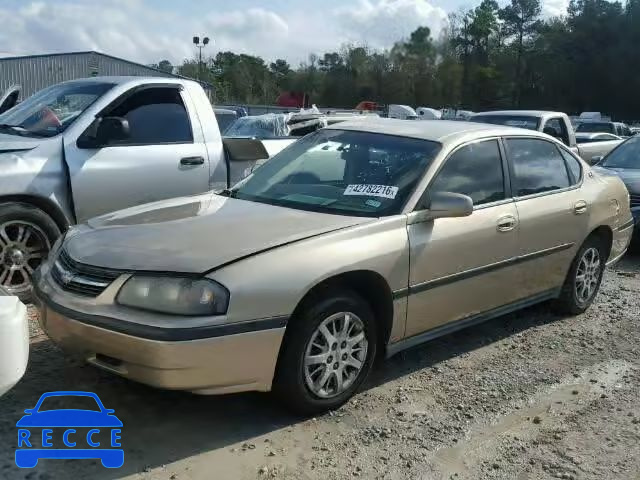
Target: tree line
[(486, 58)]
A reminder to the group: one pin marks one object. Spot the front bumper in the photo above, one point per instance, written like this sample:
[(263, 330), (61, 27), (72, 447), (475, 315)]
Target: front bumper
[(233, 359)]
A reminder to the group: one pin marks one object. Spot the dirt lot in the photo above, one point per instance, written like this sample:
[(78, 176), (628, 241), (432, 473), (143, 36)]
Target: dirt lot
[(527, 396)]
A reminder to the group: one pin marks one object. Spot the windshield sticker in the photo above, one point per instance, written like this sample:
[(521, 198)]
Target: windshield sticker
[(384, 191), (373, 203)]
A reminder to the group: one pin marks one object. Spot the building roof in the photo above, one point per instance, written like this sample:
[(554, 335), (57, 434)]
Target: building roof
[(105, 55), (443, 131)]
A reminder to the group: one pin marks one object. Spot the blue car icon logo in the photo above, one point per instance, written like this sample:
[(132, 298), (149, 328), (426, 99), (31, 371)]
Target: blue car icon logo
[(69, 433)]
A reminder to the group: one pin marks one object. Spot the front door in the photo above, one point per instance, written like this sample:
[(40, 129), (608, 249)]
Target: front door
[(553, 212), (463, 266), (159, 160)]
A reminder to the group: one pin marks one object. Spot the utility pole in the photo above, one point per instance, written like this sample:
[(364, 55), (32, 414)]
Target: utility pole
[(200, 46)]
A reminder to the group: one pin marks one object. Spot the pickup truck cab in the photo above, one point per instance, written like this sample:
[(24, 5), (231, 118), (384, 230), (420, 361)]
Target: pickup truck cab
[(86, 147), (555, 124)]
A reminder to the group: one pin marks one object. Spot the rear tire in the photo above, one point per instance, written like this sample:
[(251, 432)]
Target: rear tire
[(26, 237), (584, 278), (328, 352)]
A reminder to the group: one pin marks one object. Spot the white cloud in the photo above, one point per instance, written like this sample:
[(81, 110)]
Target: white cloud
[(382, 22), (554, 8), (140, 31)]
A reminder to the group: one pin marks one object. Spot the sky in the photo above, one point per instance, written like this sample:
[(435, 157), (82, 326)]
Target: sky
[(148, 31)]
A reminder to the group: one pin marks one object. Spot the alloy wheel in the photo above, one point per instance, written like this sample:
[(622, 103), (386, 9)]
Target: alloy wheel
[(23, 247), (335, 355), (588, 275)]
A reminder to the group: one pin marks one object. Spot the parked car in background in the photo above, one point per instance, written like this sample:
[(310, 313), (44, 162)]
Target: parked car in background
[(362, 238), (597, 127), (624, 162), (225, 118), (582, 137), (635, 130), (555, 124), (402, 112), (86, 147), (616, 128), (9, 98), (14, 340)]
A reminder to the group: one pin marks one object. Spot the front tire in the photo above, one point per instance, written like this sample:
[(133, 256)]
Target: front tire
[(26, 237), (328, 352), (584, 278)]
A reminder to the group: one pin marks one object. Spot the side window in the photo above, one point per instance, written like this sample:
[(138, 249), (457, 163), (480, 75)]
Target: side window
[(575, 169), (556, 128), (537, 166), (155, 115), (474, 170)]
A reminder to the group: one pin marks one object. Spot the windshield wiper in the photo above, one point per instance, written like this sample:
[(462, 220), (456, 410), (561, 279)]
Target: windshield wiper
[(228, 192), (7, 125), (21, 130)]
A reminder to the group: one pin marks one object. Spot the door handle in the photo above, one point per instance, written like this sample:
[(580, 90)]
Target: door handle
[(580, 207), (192, 161), (506, 223)]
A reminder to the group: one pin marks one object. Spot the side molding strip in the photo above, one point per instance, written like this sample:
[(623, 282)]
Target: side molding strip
[(469, 321)]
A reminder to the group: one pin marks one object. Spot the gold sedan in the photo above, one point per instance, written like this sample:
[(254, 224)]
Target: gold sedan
[(357, 241)]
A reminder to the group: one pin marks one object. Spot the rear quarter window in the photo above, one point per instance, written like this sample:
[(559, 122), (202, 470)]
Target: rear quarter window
[(573, 165)]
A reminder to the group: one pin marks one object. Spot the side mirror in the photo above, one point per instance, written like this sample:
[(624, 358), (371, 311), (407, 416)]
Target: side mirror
[(596, 160), (244, 149), (444, 205), (105, 131), (112, 129)]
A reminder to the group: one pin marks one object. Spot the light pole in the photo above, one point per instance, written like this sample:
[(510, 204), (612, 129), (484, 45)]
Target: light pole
[(196, 42)]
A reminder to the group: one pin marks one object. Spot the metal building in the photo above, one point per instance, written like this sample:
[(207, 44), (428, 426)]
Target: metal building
[(36, 72)]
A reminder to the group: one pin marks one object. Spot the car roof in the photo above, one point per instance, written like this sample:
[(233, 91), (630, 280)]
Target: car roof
[(123, 80), (523, 113), (443, 131)]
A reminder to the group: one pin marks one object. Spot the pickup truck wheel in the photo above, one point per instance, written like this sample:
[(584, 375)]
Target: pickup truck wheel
[(26, 237), (327, 354), (583, 280)]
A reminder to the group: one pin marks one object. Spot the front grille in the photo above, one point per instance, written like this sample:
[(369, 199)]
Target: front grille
[(82, 279), (634, 200)]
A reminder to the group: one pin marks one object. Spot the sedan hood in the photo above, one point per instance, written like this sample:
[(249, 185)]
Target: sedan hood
[(630, 177), (194, 234)]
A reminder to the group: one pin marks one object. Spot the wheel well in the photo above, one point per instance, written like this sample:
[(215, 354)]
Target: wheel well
[(605, 235), (44, 204), (371, 286)]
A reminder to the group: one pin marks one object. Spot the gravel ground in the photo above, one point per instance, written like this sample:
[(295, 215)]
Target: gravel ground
[(526, 396)]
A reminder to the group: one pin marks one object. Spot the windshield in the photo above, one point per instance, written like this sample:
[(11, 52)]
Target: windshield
[(627, 155), (341, 172), (271, 125), (520, 121), (596, 127), (52, 110)]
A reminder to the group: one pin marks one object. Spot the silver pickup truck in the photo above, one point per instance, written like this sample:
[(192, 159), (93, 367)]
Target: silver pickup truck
[(87, 147), (556, 124)]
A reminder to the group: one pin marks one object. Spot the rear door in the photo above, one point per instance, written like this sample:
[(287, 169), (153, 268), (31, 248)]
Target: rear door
[(552, 210), (461, 266), (164, 157)]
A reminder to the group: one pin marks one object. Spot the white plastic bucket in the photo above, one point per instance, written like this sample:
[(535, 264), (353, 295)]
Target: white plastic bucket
[(14, 342)]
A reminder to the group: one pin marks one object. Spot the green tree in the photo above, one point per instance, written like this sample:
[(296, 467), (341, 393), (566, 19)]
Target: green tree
[(521, 20), (165, 66)]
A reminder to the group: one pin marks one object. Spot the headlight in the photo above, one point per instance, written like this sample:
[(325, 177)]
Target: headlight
[(175, 295)]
